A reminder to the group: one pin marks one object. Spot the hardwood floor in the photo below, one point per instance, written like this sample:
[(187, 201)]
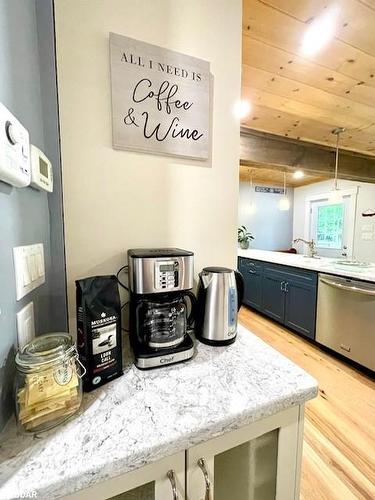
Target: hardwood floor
[(339, 440)]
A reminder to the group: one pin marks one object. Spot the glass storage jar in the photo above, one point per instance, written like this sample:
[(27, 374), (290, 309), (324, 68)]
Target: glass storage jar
[(48, 386)]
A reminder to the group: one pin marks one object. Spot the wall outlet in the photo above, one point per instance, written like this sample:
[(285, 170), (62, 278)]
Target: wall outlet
[(25, 325)]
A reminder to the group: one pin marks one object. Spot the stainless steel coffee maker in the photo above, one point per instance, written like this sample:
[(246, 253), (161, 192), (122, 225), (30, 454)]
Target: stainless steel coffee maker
[(220, 294), (161, 305)]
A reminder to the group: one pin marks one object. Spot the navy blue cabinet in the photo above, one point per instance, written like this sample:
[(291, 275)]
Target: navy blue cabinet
[(273, 295), (251, 271), (300, 308), (285, 294)]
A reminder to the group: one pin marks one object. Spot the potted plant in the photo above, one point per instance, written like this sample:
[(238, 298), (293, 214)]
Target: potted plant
[(244, 237)]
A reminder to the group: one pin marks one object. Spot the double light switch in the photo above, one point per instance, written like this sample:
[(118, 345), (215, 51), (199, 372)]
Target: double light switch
[(29, 268)]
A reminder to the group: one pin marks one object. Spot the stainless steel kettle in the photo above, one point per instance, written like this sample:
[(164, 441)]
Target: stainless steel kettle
[(220, 293)]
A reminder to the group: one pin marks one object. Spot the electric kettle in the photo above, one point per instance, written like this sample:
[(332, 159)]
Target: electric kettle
[(220, 294)]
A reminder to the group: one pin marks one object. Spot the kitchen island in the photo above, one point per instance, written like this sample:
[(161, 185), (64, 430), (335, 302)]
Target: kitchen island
[(155, 426)]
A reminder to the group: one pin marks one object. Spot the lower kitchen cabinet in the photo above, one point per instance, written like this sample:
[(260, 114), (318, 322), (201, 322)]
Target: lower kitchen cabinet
[(252, 272), (162, 480), (260, 461), (273, 295), (300, 308), (287, 295)]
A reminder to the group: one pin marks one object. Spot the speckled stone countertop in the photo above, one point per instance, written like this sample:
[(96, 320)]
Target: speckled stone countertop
[(322, 265), (144, 416)]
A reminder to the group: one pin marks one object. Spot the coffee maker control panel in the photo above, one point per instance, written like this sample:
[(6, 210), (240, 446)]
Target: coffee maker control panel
[(166, 274), (160, 270)]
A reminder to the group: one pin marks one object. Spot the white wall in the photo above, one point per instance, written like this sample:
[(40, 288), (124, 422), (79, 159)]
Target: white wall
[(363, 249), (115, 200), (271, 227)]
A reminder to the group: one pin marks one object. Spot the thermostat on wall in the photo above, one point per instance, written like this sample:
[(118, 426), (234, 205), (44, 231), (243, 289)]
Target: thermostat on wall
[(41, 170), (14, 150)]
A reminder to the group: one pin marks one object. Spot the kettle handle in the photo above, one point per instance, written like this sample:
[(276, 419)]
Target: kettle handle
[(240, 288)]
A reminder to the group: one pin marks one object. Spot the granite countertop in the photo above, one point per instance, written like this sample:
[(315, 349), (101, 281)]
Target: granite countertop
[(323, 265), (144, 416)]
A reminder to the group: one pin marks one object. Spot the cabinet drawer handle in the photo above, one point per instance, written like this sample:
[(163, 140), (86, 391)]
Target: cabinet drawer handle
[(284, 286), (172, 478), (203, 468)]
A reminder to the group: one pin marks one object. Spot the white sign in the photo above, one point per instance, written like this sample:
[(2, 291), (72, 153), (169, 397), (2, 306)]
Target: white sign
[(160, 99)]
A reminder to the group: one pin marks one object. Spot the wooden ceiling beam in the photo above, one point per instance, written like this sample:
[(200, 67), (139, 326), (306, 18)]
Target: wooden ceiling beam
[(290, 125), (278, 152), (261, 174)]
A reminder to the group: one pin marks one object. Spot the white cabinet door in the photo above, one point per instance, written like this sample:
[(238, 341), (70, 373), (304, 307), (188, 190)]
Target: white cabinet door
[(162, 480), (258, 462)]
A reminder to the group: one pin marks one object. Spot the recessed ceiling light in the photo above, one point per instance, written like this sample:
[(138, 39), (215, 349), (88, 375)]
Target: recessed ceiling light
[(242, 108), (319, 32), (298, 174)]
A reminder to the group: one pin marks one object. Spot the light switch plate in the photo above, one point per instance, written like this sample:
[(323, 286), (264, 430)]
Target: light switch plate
[(29, 268), (25, 325)]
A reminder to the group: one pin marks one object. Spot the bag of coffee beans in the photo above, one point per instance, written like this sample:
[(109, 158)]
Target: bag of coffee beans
[(99, 329)]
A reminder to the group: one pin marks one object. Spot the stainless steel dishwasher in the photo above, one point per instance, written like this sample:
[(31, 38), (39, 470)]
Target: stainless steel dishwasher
[(346, 318)]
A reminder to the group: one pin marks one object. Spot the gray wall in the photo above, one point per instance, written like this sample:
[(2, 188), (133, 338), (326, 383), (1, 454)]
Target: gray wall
[(48, 85), (26, 214), (272, 228)]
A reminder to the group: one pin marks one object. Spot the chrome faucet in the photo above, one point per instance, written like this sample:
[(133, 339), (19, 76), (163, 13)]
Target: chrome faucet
[(311, 246)]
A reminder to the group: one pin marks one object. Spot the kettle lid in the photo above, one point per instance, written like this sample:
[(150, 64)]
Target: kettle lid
[(217, 270)]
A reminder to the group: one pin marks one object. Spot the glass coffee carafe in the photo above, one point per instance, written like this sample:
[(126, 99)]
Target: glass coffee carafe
[(164, 320)]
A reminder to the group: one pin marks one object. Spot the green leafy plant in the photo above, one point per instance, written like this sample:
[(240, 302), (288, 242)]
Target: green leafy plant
[(243, 235)]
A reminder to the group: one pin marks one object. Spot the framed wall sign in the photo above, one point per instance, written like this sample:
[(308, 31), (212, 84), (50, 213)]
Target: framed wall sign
[(160, 99), (271, 190)]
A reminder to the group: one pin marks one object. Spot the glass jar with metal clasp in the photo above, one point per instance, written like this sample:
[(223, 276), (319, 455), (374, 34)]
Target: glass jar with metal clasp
[(48, 385)]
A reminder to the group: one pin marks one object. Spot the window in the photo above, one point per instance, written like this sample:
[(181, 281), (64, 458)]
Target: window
[(330, 226)]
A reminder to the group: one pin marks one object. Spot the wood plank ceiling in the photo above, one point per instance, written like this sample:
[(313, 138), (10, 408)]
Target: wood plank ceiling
[(306, 97), (275, 177)]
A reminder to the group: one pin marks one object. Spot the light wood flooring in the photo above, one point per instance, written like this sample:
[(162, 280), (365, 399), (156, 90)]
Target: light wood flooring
[(339, 439)]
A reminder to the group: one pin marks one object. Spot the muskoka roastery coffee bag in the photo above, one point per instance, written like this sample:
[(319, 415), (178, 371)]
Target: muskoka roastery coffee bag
[(99, 329)]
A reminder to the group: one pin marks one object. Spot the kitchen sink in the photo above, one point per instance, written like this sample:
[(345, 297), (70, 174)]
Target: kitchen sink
[(353, 263)]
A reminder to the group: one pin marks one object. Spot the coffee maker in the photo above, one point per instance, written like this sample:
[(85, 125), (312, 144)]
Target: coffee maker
[(161, 305)]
